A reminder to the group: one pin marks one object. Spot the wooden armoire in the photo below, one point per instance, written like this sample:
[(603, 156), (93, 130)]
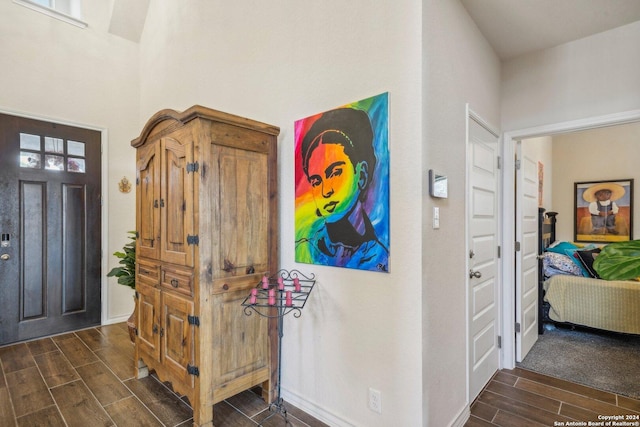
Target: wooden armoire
[(207, 231)]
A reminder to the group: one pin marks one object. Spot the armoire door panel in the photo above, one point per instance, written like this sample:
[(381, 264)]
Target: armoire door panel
[(148, 339), (176, 202), (177, 339), (250, 349), (148, 201), (241, 212)]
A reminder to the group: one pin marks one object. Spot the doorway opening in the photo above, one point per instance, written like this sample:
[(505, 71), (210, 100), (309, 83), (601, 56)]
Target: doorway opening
[(510, 283)]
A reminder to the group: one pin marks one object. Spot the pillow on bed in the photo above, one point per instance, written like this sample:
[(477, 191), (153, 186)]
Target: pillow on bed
[(574, 258), (560, 262), (586, 258), (561, 247)]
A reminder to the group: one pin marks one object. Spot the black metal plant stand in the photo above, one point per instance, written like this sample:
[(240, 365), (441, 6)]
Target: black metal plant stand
[(275, 297)]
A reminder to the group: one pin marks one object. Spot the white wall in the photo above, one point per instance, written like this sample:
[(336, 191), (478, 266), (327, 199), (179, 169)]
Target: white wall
[(277, 62), (610, 153), (459, 68), (87, 77), (540, 148), (590, 77)]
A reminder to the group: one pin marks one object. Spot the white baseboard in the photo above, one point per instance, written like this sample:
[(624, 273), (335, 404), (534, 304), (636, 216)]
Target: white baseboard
[(333, 420), (462, 418), (314, 410), (112, 320)]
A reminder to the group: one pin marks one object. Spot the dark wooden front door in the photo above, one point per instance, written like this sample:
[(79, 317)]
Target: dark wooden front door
[(50, 245)]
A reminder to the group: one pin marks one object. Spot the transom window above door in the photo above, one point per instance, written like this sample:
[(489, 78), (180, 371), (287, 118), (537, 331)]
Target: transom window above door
[(51, 153)]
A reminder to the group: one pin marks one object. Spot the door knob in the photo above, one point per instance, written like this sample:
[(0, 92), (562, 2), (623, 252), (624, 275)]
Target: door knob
[(5, 257), (475, 274)]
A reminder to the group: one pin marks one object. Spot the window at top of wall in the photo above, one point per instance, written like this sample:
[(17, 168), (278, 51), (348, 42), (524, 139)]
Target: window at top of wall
[(65, 10)]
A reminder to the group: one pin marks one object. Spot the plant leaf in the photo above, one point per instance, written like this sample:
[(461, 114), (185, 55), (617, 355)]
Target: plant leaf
[(126, 274), (619, 261)]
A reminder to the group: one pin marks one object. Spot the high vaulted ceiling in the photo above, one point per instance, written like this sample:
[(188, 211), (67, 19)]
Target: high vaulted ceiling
[(516, 27)]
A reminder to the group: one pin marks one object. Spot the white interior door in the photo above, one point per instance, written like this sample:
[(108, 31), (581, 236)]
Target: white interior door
[(483, 261), (526, 257)]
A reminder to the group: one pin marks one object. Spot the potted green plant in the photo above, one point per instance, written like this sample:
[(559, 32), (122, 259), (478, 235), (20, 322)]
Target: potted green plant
[(126, 274)]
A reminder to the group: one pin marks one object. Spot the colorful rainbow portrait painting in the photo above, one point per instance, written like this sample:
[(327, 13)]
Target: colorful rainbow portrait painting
[(342, 186)]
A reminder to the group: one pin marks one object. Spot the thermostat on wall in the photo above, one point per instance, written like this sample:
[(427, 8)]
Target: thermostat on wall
[(437, 184)]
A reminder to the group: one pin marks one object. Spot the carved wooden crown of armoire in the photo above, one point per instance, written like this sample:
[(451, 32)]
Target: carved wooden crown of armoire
[(207, 231)]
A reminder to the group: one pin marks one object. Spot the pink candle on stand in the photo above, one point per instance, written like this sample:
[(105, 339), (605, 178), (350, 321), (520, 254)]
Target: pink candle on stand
[(272, 296), (253, 299), (265, 282), (281, 283), (288, 299), (296, 284), (254, 292)]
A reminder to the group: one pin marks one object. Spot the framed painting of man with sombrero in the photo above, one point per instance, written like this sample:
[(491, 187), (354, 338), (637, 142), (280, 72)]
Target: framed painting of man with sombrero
[(603, 211)]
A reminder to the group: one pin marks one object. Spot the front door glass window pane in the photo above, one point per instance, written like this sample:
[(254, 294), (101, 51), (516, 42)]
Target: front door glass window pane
[(75, 148), (59, 154), (55, 163), (75, 165), (30, 142), (29, 160), (53, 145)]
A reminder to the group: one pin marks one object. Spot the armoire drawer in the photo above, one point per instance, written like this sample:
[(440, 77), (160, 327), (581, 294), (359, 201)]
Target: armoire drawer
[(148, 269), (177, 279)]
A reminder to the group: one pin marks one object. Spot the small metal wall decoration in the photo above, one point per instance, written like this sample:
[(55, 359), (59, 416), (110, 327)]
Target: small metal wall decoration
[(124, 185)]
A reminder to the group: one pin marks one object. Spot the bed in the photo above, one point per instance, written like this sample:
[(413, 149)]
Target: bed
[(567, 296)]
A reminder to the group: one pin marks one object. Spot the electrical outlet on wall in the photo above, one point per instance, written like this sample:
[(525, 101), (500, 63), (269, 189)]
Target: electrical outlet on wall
[(375, 400)]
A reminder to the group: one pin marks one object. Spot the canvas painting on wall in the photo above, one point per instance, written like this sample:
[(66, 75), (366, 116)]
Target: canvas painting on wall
[(342, 186), (540, 184), (603, 211)]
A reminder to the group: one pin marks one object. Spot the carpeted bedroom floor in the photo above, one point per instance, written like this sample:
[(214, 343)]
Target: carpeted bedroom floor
[(603, 360)]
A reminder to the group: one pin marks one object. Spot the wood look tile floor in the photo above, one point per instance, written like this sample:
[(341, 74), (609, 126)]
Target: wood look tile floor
[(86, 378), (519, 397)]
